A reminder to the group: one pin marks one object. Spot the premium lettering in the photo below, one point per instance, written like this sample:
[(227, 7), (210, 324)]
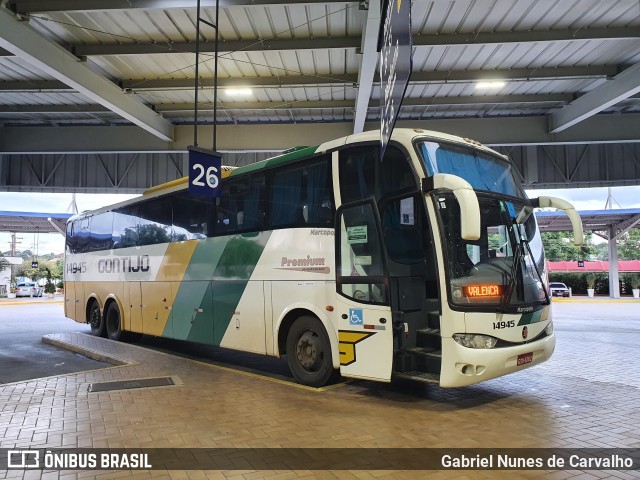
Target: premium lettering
[(301, 262)]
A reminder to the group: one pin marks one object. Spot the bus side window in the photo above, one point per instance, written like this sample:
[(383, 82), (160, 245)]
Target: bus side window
[(396, 173), (358, 169), (192, 217), (101, 231), (241, 206), (286, 207), (155, 221), (81, 232), (318, 204), (301, 196), (70, 240), (125, 227)]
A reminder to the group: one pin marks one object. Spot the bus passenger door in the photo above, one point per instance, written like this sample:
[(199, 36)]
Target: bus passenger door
[(365, 332)]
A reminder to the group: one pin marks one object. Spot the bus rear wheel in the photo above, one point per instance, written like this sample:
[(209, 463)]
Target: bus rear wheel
[(96, 321), (114, 325), (309, 352)]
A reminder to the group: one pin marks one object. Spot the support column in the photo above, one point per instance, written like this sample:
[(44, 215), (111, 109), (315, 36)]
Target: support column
[(614, 284)]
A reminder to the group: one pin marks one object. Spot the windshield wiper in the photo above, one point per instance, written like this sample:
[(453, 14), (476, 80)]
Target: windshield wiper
[(538, 272), (517, 257), (522, 243)]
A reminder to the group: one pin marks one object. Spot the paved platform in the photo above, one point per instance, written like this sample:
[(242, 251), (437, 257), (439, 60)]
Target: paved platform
[(588, 395)]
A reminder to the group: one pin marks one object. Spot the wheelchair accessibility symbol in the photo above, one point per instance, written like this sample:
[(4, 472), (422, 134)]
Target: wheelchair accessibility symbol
[(355, 316)]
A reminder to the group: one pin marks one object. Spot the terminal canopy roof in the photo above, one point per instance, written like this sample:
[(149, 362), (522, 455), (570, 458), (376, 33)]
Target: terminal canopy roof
[(594, 220), (28, 222)]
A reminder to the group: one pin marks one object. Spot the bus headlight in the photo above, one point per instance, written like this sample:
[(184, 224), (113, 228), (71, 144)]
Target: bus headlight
[(549, 329), (472, 340)]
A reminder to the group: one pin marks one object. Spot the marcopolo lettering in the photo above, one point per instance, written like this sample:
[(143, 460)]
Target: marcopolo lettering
[(139, 263)]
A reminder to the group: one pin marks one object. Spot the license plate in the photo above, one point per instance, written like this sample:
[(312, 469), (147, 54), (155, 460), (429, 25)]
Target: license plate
[(525, 358)]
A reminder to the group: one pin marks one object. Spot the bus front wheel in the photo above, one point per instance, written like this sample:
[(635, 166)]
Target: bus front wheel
[(309, 352), (114, 325), (96, 321)]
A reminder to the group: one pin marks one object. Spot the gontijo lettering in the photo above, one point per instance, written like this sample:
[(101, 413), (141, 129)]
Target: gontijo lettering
[(138, 263)]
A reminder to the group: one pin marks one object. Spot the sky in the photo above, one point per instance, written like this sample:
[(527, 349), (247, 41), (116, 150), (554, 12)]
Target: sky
[(582, 198)]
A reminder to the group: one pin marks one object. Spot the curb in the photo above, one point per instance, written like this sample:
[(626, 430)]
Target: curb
[(30, 302), (596, 300), (87, 352)]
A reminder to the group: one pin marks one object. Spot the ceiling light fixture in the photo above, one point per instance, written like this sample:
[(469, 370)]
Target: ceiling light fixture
[(238, 92), (493, 84)]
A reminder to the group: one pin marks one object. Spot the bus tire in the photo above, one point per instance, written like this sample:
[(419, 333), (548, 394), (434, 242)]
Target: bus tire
[(309, 352), (95, 319), (113, 322)]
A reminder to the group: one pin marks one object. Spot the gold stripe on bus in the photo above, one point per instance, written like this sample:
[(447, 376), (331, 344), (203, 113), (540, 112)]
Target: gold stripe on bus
[(176, 260), (161, 294)]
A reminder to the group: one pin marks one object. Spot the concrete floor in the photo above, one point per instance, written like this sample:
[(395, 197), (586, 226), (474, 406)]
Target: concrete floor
[(586, 396), (23, 356)]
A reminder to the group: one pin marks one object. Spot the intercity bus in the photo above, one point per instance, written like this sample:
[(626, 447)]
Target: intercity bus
[(426, 264)]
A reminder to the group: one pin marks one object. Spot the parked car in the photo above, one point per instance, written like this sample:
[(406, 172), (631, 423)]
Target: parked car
[(559, 289), (28, 290)]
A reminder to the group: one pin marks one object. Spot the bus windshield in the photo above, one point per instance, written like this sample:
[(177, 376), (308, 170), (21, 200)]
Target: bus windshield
[(504, 269), (482, 170)]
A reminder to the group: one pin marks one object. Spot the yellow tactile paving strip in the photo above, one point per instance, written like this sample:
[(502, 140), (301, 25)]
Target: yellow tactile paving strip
[(218, 407)]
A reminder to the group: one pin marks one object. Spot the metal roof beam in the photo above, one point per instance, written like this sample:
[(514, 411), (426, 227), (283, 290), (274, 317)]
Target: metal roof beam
[(522, 74), (516, 74), (621, 87), (446, 39), (623, 227), (84, 108), (187, 83), (491, 131), (25, 42), (311, 105), (230, 46), (33, 85), (40, 6), (368, 63), (525, 36), (319, 104)]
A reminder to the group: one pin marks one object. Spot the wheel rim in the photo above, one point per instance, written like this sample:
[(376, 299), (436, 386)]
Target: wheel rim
[(309, 351), (94, 319)]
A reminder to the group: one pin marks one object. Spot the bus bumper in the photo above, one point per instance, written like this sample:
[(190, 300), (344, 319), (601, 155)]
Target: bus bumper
[(463, 366)]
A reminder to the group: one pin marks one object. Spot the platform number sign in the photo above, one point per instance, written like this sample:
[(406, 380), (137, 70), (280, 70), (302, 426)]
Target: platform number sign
[(205, 172)]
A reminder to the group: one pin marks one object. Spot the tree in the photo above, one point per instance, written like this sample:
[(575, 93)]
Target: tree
[(35, 274), (49, 286), (629, 245), (559, 246)]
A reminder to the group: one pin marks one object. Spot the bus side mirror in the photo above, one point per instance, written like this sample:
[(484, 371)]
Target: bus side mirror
[(466, 197), (576, 222)]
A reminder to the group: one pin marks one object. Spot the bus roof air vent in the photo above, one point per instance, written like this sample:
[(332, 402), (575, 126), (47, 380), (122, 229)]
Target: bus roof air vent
[(473, 142), (295, 149)]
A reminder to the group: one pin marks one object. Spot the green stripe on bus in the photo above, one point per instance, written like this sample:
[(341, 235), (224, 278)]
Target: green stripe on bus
[(529, 318), (213, 285), (295, 154)]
